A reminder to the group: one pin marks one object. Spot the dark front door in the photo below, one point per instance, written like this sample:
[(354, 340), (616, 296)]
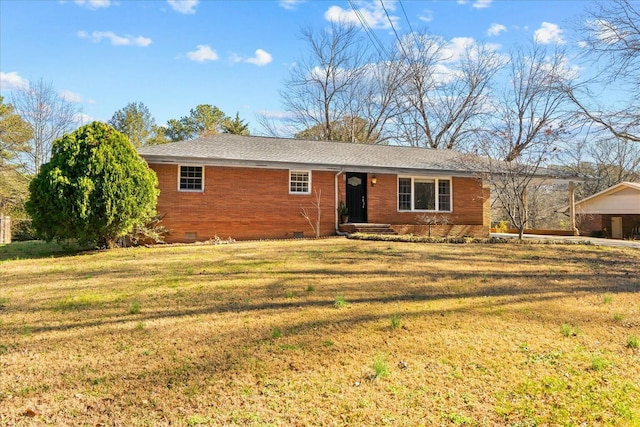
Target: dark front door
[(357, 196)]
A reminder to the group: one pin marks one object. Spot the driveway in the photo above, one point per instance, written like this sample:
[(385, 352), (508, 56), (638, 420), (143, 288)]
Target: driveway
[(595, 240)]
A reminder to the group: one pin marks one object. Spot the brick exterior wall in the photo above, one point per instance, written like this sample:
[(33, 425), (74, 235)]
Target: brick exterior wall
[(241, 203), (248, 203), (600, 225), (470, 202), (590, 224)]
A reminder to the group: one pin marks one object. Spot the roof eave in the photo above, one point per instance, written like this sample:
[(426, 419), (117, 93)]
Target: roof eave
[(606, 192), (159, 159)]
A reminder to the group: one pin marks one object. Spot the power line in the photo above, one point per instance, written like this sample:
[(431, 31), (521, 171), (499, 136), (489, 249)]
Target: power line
[(413, 33), (375, 41), (390, 22), (400, 43), (404, 12)]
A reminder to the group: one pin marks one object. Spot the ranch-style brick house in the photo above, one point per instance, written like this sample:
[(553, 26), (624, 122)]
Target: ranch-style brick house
[(250, 187)]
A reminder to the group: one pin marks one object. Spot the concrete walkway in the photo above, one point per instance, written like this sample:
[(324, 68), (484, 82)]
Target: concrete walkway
[(595, 240)]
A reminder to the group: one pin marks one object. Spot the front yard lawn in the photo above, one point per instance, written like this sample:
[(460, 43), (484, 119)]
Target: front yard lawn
[(327, 332)]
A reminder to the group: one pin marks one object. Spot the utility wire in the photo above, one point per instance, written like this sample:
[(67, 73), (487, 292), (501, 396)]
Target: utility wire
[(413, 33), (390, 21), (400, 43), (404, 12), (375, 41)]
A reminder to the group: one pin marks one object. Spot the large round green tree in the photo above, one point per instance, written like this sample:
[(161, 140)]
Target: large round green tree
[(95, 188)]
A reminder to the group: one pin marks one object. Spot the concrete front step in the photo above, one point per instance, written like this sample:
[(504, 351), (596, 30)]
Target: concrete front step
[(367, 228), (376, 231)]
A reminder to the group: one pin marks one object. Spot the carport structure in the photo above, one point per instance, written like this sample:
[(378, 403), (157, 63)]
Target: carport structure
[(614, 212)]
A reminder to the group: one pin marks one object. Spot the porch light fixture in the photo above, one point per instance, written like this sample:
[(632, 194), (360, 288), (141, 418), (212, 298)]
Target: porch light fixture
[(374, 180)]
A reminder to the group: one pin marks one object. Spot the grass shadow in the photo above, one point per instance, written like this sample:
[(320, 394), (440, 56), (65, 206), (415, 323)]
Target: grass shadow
[(35, 249)]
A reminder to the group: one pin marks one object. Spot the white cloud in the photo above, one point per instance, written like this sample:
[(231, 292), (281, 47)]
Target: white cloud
[(203, 53), (261, 58), (336, 13), (449, 53), (453, 50), (548, 33), (372, 12), (496, 29), (11, 81), (477, 4), (93, 4), (83, 119), (340, 74), (290, 4), (115, 39), (74, 97), (482, 4), (278, 115), (604, 30), (426, 16), (569, 71), (187, 7), (70, 96)]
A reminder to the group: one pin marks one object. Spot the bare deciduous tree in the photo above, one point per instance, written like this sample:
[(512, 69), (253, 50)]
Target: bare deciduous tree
[(272, 124), (527, 129), (608, 161), (444, 95), (315, 224), (50, 116), (340, 92), (431, 220), (375, 100), (512, 180), (611, 42), (530, 106), (319, 89)]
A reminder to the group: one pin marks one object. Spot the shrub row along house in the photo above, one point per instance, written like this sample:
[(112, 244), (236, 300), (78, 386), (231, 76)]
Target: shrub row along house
[(249, 187)]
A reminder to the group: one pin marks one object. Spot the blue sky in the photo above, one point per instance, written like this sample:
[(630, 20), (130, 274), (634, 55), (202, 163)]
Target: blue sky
[(173, 55)]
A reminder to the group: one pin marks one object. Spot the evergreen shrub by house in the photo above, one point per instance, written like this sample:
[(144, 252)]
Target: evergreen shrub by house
[(96, 188)]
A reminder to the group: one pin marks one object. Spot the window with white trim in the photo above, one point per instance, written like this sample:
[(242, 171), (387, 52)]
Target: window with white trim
[(424, 194), (191, 178), (299, 182)]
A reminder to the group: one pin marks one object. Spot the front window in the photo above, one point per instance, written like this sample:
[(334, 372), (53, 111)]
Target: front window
[(404, 194), (299, 182), (424, 194), (444, 195), (191, 178)]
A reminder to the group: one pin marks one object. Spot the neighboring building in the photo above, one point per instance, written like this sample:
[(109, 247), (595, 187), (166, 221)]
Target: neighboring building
[(248, 187), (614, 212)]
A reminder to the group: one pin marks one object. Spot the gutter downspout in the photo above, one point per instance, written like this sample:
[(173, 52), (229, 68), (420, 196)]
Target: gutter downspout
[(335, 207)]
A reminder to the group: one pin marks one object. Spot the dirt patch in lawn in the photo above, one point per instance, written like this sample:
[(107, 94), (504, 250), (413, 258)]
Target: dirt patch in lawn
[(327, 332)]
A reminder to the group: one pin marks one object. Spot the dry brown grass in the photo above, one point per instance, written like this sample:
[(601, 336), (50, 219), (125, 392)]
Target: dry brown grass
[(250, 334)]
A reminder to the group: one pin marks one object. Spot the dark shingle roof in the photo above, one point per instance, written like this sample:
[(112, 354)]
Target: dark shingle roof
[(286, 153), (257, 151)]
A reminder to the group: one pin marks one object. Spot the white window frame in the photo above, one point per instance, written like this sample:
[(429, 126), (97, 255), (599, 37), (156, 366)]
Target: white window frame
[(436, 181), (190, 190), (308, 172)]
